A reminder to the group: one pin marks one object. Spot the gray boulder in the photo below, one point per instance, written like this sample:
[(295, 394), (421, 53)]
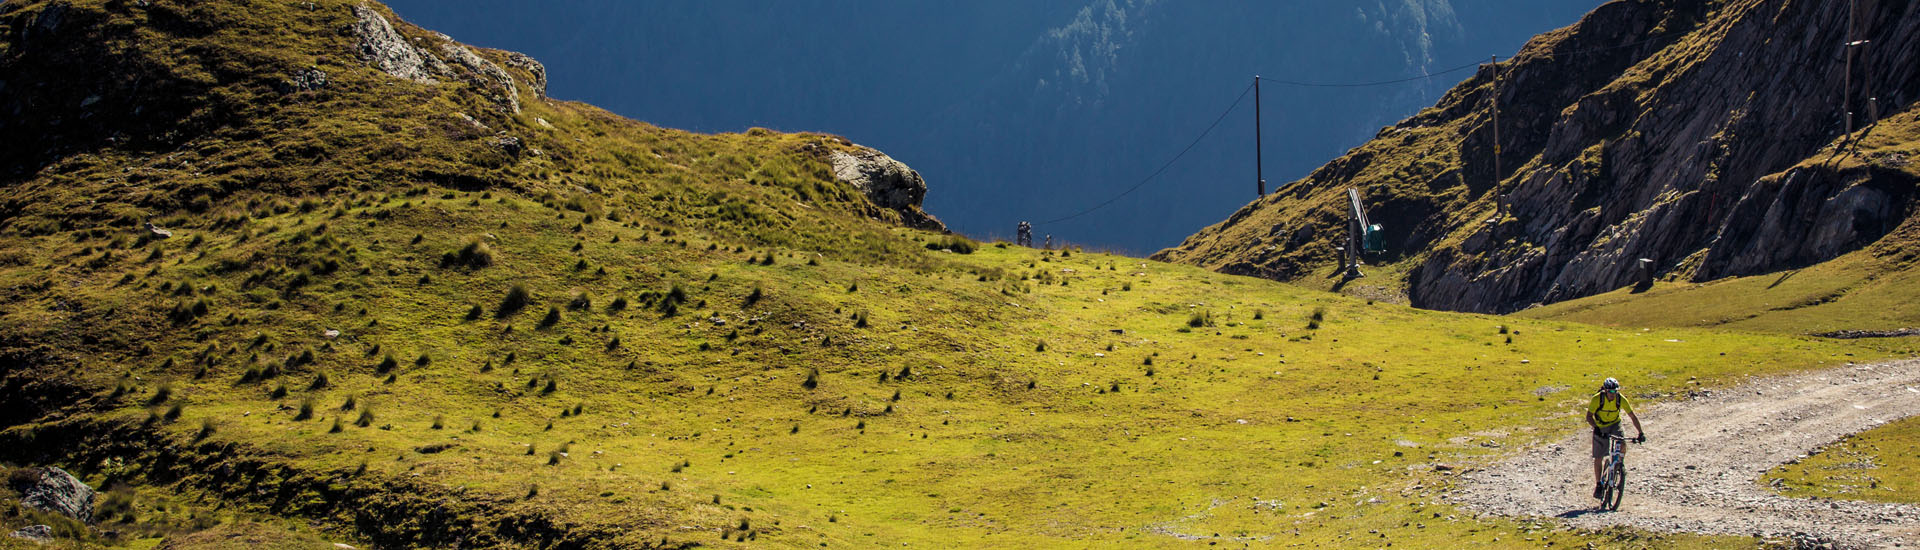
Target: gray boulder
[(485, 74), (521, 61), (512, 146), (36, 533), (387, 50), (304, 80), (53, 490), (887, 183)]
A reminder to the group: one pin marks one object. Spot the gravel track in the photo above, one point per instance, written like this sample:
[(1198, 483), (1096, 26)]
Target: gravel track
[(1698, 469)]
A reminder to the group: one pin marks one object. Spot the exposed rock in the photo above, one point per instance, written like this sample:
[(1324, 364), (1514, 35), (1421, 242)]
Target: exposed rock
[(36, 533), (538, 72), (1300, 236), (52, 489), (475, 123), (157, 232), (304, 80), (49, 19), (511, 145), (887, 183), (1716, 159), (1857, 334), (485, 74), (1802, 217), (387, 50)]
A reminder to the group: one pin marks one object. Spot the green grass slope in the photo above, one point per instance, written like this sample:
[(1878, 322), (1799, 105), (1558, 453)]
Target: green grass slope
[(650, 338), (980, 397), (1880, 464)]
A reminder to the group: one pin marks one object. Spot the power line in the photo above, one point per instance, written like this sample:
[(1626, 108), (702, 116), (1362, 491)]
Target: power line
[(1250, 87), (1163, 167), (1425, 76), (1375, 83)]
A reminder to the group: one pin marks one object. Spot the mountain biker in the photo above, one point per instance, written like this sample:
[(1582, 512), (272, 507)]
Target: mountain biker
[(1603, 415)]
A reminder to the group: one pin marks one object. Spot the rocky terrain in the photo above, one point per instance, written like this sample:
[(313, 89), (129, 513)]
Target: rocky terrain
[(1708, 138), (1698, 469)]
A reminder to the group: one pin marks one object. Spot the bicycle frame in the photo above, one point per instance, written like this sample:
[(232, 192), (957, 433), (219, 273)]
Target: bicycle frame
[(1613, 477)]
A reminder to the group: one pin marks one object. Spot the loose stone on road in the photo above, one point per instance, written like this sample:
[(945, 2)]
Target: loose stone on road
[(1698, 471)]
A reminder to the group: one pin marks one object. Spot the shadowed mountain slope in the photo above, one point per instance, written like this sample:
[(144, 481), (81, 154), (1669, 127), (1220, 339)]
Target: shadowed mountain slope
[(1706, 137)]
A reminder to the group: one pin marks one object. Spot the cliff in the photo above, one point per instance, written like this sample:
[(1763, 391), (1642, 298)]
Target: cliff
[(1707, 137)]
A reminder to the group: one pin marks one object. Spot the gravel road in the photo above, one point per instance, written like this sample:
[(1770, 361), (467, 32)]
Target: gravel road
[(1698, 469)]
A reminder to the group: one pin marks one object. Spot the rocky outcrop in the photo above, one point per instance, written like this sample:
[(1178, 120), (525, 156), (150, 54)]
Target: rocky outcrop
[(1704, 137), (304, 80), (1804, 216), (37, 533), (484, 75), (49, 19), (53, 490), (388, 50), (887, 183), (537, 73)]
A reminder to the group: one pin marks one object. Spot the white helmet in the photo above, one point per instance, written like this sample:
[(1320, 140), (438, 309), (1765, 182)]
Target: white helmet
[(1610, 384)]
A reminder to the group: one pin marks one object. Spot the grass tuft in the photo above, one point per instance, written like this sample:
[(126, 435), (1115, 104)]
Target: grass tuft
[(516, 299)]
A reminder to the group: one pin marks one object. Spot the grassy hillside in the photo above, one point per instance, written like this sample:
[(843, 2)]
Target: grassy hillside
[(1022, 417), (643, 337)]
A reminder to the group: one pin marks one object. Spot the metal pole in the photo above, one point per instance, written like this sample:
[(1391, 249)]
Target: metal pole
[(1259, 171)]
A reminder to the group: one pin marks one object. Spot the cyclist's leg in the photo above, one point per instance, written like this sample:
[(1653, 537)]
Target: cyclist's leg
[(1599, 461)]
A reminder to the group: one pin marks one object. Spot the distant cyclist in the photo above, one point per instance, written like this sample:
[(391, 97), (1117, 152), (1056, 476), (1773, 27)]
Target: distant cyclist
[(1603, 414)]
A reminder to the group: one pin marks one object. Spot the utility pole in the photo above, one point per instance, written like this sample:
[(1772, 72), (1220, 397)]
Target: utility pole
[(1259, 173), (1499, 195)]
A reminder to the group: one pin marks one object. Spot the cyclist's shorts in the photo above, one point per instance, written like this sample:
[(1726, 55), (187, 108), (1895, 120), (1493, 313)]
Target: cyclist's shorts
[(1600, 439)]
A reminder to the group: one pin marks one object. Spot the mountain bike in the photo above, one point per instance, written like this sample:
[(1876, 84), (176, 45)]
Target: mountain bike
[(1613, 474)]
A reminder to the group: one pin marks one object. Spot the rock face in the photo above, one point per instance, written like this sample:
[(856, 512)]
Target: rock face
[(52, 489), (386, 49), (36, 533), (390, 51), (485, 75), (887, 183), (305, 80), (1704, 137), (538, 72)]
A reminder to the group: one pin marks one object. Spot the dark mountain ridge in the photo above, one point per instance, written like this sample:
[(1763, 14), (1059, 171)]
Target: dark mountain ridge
[(1706, 137)]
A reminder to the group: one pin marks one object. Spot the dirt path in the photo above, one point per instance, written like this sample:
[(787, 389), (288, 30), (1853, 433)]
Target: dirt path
[(1698, 469)]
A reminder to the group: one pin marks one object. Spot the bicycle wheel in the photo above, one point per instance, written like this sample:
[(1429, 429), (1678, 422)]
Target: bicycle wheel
[(1616, 487)]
